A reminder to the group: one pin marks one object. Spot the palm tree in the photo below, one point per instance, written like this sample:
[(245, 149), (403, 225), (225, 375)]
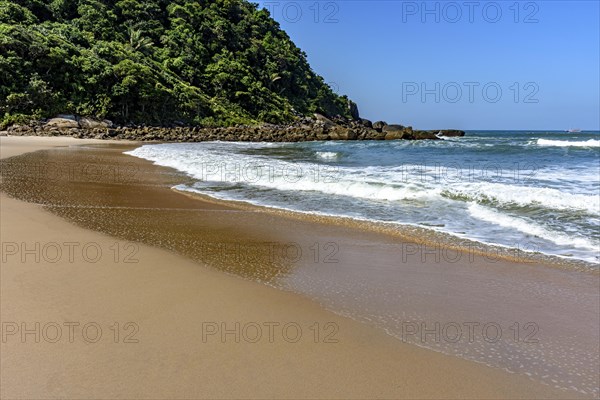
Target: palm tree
[(137, 41)]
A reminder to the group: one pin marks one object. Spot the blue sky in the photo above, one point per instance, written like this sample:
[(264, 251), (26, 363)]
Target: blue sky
[(465, 64)]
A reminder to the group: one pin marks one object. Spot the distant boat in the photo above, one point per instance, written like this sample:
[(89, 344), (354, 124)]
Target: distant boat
[(573, 130)]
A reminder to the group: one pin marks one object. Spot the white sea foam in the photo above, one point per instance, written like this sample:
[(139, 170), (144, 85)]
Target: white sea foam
[(219, 164), (225, 167), (407, 194), (529, 228), (526, 196), (567, 143), (578, 176), (327, 155)]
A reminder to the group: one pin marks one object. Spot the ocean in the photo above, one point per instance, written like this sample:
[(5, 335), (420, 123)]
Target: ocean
[(534, 191)]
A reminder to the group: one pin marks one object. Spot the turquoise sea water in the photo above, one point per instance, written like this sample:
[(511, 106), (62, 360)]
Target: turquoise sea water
[(532, 191), (535, 191)]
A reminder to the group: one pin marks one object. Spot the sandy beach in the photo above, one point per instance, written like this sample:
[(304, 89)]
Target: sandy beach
[(112, 285)]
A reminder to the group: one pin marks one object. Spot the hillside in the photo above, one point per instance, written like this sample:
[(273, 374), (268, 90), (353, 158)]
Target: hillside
[(156, 62)]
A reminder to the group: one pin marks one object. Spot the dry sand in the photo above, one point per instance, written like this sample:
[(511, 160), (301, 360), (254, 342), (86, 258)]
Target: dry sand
[(168, 299)]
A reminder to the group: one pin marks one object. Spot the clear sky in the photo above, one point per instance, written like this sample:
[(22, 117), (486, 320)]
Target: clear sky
[(465, 64)]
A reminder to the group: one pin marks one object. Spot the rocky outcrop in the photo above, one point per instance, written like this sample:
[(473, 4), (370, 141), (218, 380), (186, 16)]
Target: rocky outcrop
[(392, 128), (67, 121), (353, 109), (62, 123), (397, 132), (89, 123), (378, 126), (450, 132), (304, 129), (425, 135), (324, 120), (396, 135), (366, 123)]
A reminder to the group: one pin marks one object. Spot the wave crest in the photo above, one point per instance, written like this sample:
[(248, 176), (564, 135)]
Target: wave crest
[(567, 143)]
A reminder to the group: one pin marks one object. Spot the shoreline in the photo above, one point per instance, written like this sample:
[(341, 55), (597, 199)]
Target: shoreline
[(448, 239), (418, 235), (517, 384), (422, 236)]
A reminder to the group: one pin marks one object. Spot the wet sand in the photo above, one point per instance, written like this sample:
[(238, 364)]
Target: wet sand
[(175, 296)]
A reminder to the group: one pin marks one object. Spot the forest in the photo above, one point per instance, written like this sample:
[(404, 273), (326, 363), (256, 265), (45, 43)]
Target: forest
[(155, 62)]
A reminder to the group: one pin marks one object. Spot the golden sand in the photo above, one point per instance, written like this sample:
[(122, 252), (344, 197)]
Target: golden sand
[(168, 314)]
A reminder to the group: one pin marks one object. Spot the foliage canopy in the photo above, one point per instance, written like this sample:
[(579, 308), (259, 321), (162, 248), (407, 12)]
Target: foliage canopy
[(197, 62)]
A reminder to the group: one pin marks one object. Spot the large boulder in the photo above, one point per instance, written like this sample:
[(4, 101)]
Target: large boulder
[(378, 126), (366, 123), (353, 109), (62, 123), (451, 132), (341, 133), (372, 134), (397, 135), (425, 135), (90, 123), (349, 134), (324, 120), (392, 128), (334, 135)]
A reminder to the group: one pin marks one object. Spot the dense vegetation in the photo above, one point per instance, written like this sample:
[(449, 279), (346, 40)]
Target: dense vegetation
[(198, 62)]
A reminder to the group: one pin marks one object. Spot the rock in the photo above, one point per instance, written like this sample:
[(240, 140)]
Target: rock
[(29, 129), (392, 128), (450, 132), (371, 134), (403, 134), (89, 123), (335, 134), (349, 134), (62, 123), (366, 123), (324, 120), (378, 126), (353, 108), (342, 133), (425, 135), (303, 129), (339, 120), (318, 130), (396, 135), (3, 133)]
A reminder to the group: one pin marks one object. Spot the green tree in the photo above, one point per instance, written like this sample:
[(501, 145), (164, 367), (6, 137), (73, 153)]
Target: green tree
[(216, 62)]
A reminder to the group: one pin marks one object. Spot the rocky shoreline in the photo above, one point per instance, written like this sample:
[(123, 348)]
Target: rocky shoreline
[(304, 129)]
